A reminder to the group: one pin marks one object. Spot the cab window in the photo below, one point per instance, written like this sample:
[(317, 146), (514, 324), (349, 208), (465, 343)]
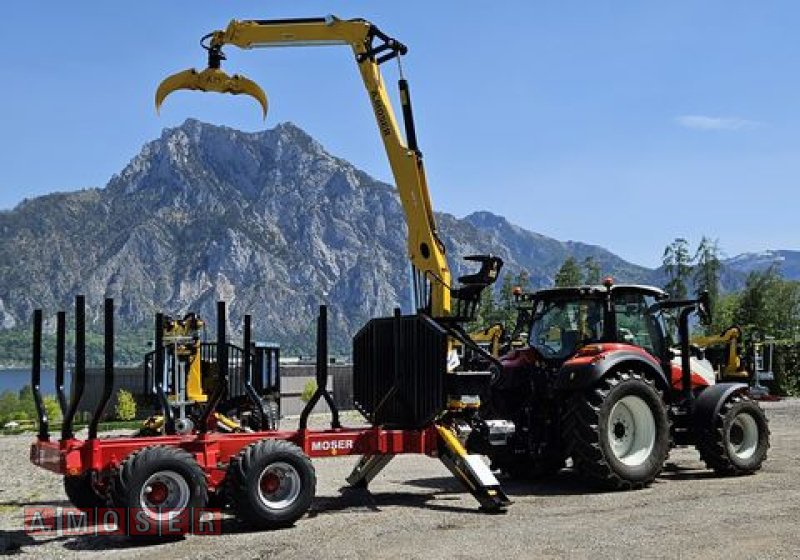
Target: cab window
[(560, 327), (635, 322)]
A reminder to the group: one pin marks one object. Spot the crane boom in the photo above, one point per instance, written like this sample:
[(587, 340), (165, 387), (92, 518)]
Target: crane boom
[(371, 48)]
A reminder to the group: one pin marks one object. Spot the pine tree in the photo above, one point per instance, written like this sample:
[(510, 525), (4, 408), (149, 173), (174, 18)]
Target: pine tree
[(569, 274), (707, 270), (591, 271), (677, 265)]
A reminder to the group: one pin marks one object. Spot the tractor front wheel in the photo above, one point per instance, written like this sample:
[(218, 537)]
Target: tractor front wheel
[(738, 440), (618, 433)]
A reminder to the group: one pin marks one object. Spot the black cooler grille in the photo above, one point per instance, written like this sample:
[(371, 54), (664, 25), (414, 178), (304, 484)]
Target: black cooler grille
[(399, 366)]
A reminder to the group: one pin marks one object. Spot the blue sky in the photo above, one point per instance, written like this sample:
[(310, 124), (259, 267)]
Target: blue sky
[(623, 124)]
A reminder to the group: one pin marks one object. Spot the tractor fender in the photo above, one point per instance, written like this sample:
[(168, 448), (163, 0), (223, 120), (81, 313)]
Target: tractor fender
[(577, 375), (709, 402)]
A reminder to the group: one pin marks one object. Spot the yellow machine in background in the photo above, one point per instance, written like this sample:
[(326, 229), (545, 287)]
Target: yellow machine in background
[(491, 339), (186, 387), (727, 364), (183, 336)]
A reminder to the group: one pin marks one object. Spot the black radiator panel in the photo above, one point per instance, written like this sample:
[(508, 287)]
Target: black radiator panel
[(399, 367)]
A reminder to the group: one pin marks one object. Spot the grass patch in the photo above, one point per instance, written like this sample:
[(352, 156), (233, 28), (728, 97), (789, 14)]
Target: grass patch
[(56, 428)]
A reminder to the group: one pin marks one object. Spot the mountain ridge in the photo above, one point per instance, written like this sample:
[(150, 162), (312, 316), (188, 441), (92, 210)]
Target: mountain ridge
[(268, 220)]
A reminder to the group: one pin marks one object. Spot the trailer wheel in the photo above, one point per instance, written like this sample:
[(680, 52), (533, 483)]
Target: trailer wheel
[(738, 441), (82, 493), (161, 481), (271, 484), (618, 432)]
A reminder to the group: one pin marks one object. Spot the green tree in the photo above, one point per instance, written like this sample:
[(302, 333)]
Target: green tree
[(591, 271), (707, 269), (523, 280), (125, 408), (486, 309), (9, 404), (569, 274), (769, 305), (724, 314), (506, 307), (51, 408), (26, 402), (678, 266)]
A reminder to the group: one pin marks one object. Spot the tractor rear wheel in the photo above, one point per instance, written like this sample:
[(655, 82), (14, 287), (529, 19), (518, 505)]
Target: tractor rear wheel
[(160, 481), (738, 440), (82, 493), (618, 433), (271, 484)]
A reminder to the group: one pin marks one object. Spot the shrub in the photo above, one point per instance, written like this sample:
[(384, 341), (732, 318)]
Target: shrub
[(308, 390), (52, 408), (125, 408)]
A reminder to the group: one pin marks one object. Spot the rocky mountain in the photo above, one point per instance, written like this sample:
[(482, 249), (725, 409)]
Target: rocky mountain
[(268, 221), (788, 262)]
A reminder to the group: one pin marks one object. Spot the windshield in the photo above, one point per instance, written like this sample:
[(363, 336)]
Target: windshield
[(560, 327)]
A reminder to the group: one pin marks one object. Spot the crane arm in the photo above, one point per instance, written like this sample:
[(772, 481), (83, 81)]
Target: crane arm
[(371, 47)]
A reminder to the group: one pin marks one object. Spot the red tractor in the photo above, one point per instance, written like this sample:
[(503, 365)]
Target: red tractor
[(601, 381)]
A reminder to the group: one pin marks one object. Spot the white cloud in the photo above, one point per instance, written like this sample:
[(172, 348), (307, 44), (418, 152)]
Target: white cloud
[(703, 122)]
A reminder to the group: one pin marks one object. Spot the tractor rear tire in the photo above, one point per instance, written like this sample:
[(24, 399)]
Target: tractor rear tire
[(81, 492), (271, 484), (618, 433), (738, 440), (161, 481)]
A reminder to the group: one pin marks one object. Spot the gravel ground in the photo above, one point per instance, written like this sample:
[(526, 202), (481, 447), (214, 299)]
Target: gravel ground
[(415, 510)]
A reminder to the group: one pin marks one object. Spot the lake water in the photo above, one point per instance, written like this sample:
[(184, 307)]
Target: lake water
[(15, 379)]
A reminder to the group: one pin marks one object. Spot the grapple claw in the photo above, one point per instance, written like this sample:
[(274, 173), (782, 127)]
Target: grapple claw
[(211, 79)]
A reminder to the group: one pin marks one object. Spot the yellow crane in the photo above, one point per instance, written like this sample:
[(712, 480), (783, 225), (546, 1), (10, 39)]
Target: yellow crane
[(371, 48), (730, 366), (436, 299)]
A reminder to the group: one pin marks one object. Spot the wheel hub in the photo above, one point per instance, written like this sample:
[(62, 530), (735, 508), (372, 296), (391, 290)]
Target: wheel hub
[(164, 494), (743, 436), (270, 483), (279, 485), (157, 493), (631, 430)]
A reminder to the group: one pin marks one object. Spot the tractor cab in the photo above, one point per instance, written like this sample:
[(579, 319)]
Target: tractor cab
[(568, 324)]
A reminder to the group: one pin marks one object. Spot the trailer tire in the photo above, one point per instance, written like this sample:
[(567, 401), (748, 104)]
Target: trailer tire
[(738, 440), (157, 477), (271, 484), (618, 433), (81, 492)]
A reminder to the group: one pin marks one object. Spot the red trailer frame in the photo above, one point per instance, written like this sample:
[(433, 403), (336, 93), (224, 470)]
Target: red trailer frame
[(100, 463)]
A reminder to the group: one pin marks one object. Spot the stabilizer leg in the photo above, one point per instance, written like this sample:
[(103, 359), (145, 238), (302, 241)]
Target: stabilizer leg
[(472, 472), (368, 468)]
